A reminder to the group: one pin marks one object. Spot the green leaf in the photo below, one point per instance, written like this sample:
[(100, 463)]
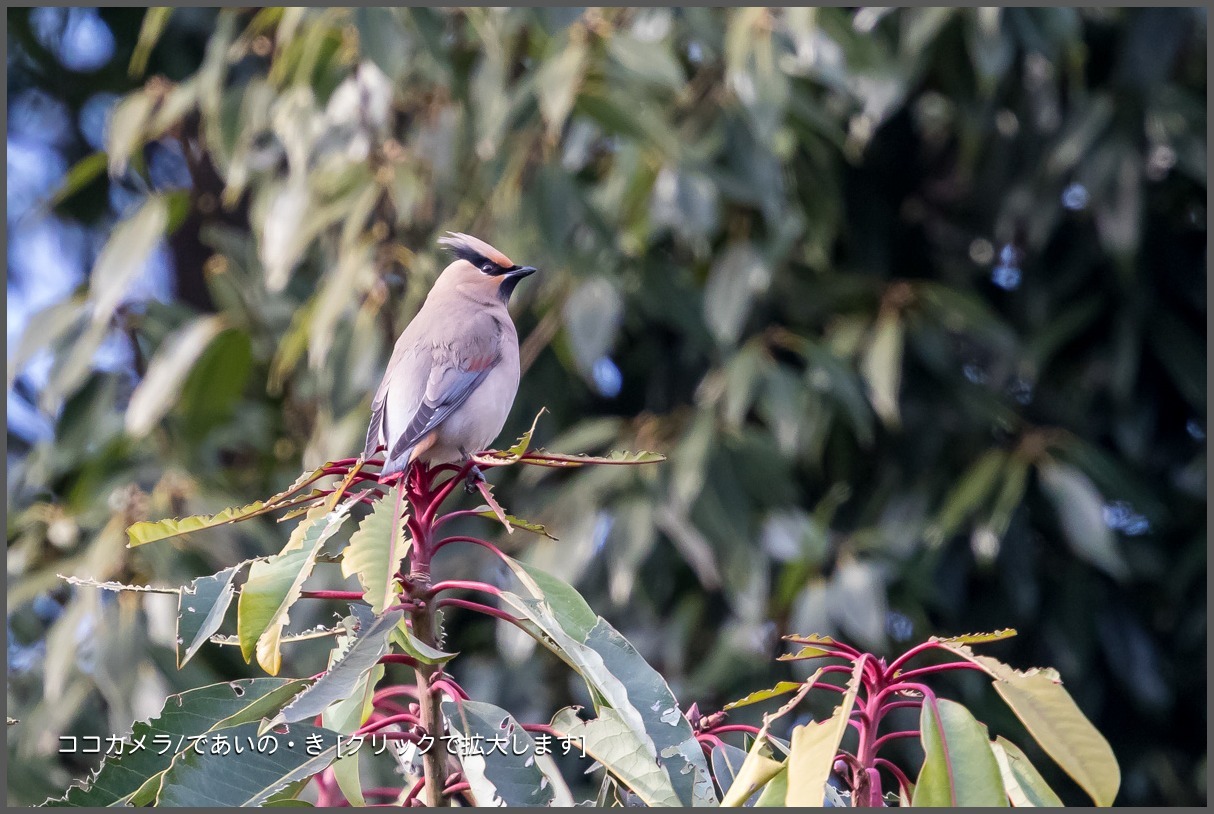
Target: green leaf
[(881, 366), (807, 652), (167, 372), (738, 276), (1081, 511), (959, 768), (775, 792), (616, 745), (515, 522), (123, 256), (184, 715), (541, 457), (155, 20), (250, 778), (275, 583), (83, 172), (977, 638), (1051, 716), (756, 771), (1024, 784), (509, 772), (814, 746), (200, 610), (376, 551), (152, 531), (968, 495), (341, 680), (418, 649), (726, 762), (573, 613), (624, 681), (126, 131), (783, 688), (556, 84)]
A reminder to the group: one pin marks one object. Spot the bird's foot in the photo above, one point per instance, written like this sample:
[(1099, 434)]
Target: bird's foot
[(474, 479)]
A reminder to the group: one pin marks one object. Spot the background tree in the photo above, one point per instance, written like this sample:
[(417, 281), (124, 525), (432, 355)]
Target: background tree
[(913, 300)]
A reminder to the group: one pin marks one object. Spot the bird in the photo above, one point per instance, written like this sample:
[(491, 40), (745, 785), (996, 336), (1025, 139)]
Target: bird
[(454, 371)]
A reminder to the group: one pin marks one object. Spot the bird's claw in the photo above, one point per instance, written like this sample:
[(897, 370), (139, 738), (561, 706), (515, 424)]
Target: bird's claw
[(474, 479)]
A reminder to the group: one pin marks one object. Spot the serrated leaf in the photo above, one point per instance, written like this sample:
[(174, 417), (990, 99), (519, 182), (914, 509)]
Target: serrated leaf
[(495, 508), (783, 688), (228, 780), (376, 552), (1055, 721), (807, 652), (515, 522), (341, 680), (814, 746), (418, 649), (201, 606), (511, 774), (1025, 786), (189, 713), (542, 457), (275, 583), (153, 531), (977, 638), (959, 768)]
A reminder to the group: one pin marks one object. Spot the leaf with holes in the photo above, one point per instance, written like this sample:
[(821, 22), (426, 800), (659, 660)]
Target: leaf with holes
[(507, 771), (252, 775), (201, 606), (134, 775), (343, 678)]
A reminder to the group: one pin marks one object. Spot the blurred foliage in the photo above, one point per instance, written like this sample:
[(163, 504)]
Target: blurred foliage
[(914, 301)]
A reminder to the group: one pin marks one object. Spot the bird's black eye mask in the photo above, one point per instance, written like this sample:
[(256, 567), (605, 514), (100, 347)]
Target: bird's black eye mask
[(477, 259)]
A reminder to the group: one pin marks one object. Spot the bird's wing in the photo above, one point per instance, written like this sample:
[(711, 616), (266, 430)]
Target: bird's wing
[(447, 388)]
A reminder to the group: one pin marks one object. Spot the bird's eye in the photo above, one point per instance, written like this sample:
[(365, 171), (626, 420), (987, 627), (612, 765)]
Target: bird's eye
[(488, 268)]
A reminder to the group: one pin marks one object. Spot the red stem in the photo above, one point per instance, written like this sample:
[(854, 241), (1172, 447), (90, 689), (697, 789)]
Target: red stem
[(450, 686), (545, 728), (939, 668), (476, 606), (474, 540), (903, 780), (907, 656), (399, 658), (392, 692), (752, 730), (906, 733), (348, 596), (413, 792), (455, 788), (463, 584), (399, 718), (438, 521)]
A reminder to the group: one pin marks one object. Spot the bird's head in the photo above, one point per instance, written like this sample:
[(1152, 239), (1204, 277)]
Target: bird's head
[(479, 269)]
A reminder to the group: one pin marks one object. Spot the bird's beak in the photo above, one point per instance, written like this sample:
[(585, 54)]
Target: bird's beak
[(520, 273)]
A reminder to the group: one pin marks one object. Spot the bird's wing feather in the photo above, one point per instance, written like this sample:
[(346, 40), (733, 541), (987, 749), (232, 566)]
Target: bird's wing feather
[(446, 389)]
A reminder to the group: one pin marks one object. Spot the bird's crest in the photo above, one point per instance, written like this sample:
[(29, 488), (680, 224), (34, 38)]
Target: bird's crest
[(474, 250)]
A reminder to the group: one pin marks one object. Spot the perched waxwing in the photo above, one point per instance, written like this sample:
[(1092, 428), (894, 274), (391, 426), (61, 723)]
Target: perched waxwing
[(455, 369)]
